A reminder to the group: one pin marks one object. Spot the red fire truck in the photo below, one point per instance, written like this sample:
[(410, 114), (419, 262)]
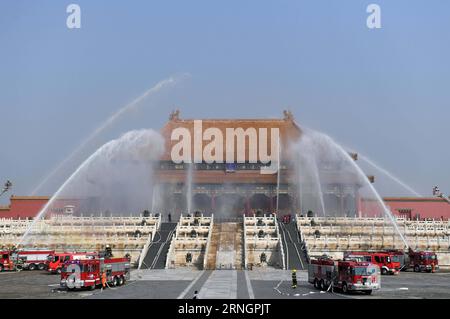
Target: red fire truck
[(347, 275), (397, 255), (422, 261), (384, 260), (57, 260), (33, 259), (87, 273), (24, 259), (287, 219)]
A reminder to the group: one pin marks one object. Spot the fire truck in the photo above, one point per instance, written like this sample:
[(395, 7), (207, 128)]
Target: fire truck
[(384, 260), (57, 260), (397, 255), (87, 273), (347, 275), (33, 259), (416, 260), (287, 219), (24, 259), (422, 261)]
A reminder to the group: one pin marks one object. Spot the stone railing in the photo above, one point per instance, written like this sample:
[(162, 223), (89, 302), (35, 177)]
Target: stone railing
[(208, 243)]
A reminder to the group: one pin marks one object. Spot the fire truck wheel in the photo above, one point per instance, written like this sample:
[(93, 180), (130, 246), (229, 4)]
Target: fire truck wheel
[(58, 271), (322, 285), (416, 268), (325, 285), (383, 271), (92, 287), (368, 292), (344, 288), (41, 266), (316, 283), (122, 280), (32, 267)]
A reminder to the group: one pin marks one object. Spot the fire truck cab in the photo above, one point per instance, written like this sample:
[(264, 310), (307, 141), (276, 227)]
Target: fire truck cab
[(384, 260), (6, 261), (56, 261), (347, 275), (77, 274)]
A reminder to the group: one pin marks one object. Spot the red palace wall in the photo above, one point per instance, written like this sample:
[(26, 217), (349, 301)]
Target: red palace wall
[(410, 207), (419, 207), (23, 207)]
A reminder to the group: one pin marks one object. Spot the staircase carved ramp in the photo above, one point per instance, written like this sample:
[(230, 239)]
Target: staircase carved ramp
[(230, 250), (226, 249), (212, 250)]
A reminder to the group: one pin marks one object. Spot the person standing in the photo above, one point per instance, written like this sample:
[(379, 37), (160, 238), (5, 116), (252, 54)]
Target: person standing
[(195, 295), (103, 280), (294, 279)]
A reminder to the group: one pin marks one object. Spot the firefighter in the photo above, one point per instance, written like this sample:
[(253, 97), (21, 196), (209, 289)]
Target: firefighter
[(263, 258), (294, 278), (103, 280), (108, 252), (11, 265)]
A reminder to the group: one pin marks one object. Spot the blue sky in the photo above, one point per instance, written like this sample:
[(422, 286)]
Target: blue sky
[(383, 92)]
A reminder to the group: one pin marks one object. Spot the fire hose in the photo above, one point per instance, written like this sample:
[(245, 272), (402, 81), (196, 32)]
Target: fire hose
[(109, 286), (330, 287)]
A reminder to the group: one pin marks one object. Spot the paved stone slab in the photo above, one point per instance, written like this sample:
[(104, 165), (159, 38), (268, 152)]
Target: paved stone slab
[(195, 285), (242, 288), (265, 289), (167, 289), (276, 274), (165, 274), (222, 284)]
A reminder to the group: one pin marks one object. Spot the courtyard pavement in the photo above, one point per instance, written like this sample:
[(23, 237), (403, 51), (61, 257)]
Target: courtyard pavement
[(221, 284)]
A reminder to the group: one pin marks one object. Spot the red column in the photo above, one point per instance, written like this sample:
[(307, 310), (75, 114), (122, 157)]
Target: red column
[(271, 203), (213, 203), (247, 205)]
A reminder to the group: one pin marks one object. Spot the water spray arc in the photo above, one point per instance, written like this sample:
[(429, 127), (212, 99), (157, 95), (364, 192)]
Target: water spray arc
[(390, 175), (115, 169), (133, 105), (278, 175), (324, 166), (387, 212), (189, 187)]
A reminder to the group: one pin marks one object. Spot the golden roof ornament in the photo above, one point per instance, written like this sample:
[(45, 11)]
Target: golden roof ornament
[(175, 115), (288, 116)]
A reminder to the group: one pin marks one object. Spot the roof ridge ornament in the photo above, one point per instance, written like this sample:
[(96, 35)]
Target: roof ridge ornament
[(175, 115), (288, 116)]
